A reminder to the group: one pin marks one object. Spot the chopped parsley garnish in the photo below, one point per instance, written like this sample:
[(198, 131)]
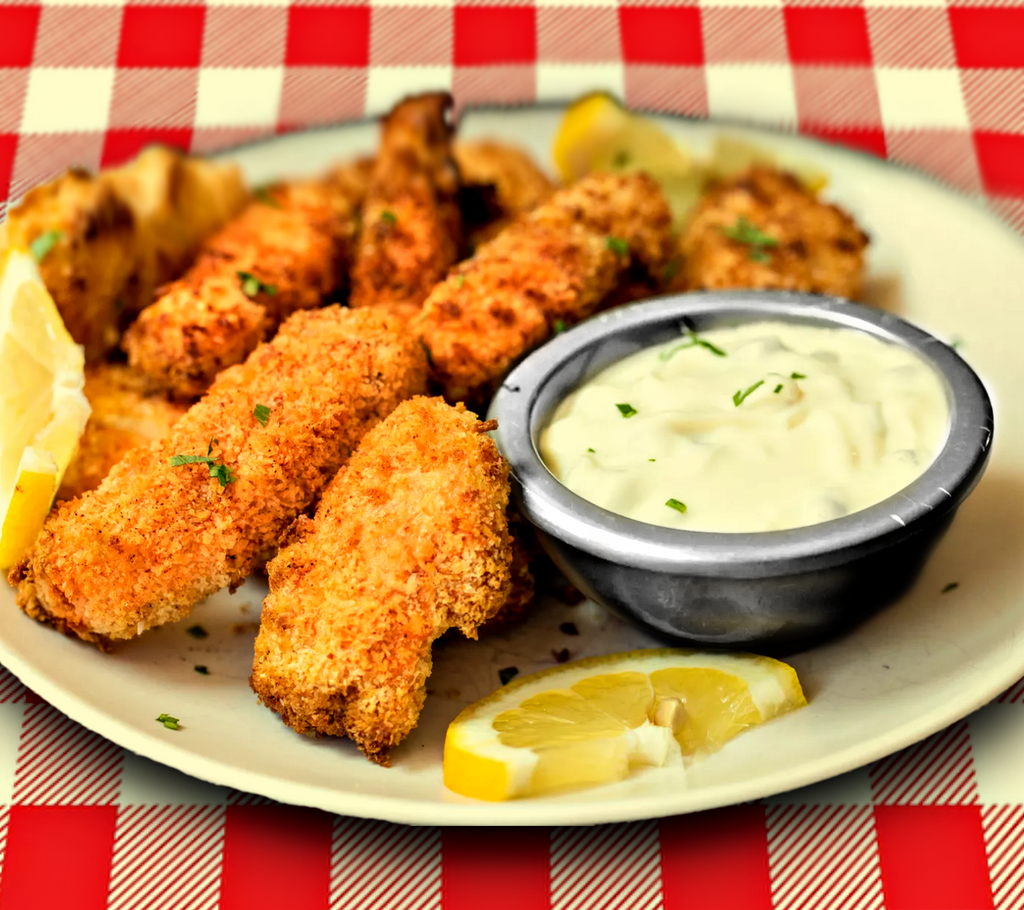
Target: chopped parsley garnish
[(952, 586), (569, 628), (797, 376), (44, 243), (590, 450), (171, 723), (197, 632), (251, 285), (506, 674), (627, 410), (680, 507), (740, 397), (617, 245), (778, 388), (217, 468), (693, 341), (262, 413), (262, 194), (202, 670), (651, 459), (559, 326), (752, 236), (388, 217), (956, 343), (460, 280)]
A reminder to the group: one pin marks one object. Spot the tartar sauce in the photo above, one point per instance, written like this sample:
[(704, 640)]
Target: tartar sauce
[(756, 427)]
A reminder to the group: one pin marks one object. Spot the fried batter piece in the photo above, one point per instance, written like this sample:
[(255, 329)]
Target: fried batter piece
[(499, 182), (411, 223), (124, 416), (552, 266), (155, 538), (813, 246), (410, 539), (121, 233), (285, 252)]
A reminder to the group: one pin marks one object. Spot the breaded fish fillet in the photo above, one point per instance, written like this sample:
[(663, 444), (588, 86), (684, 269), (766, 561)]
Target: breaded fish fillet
[(124, 416), (285, 252), (410, 539), (411, 224), (811, 245), (552, 266), (175, 521), (499, 182)]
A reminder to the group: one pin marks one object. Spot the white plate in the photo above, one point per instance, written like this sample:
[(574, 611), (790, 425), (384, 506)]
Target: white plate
[(922, 664)]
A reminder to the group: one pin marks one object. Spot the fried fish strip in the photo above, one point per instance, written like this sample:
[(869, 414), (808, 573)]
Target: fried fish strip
[(154, 538), (344, 647), (812, 245), (285, 252), (411, 223), (124, 416), (552, 266)]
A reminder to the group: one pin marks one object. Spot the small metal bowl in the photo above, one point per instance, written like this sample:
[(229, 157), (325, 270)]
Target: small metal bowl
[(774, 591)]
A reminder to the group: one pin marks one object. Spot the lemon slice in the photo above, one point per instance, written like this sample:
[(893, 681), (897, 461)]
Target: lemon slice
[(593, 721), (43, 409), (732, 156), (598, 134)]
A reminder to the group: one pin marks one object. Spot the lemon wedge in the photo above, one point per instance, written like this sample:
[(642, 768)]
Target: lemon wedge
[(43, 409), (592, 721)]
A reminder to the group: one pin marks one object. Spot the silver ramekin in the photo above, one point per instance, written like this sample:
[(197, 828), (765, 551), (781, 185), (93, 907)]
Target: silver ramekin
[(773, 591)]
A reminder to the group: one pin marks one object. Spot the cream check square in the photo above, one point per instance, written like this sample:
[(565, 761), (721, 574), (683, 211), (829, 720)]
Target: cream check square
[(390, 84), (921, 98), (239, 97), (563, 82), (761, 93), (68, 100)]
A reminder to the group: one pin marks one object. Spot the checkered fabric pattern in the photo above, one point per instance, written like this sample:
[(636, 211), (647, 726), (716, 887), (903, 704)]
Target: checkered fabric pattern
[(935, 85)]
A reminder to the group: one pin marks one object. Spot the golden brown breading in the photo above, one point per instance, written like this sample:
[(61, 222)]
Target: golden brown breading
[(124, 416), (284, 253), (818, 247), (554, 265), (93, 259), (410, 539), (411, 224), (522, 587), (154, 538), (499, 182)]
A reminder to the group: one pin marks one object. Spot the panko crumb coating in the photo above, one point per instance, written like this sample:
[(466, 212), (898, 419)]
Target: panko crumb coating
[(286, 252), (410, 539), (412, 229), (124, 415), (154, 539), (819, 247), (554, 265)]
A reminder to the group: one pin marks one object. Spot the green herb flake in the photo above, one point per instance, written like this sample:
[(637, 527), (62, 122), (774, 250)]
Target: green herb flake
[(202, 670), (507, 674), (262, 194), (460, 280), (171, 723), (262, 413), (692, 341), (218, 469), (752, 236), (198, 632), (952, 586), (740, 397), (560, 326), (44, 243), (621, 160), (797, 376), (389, 217), (956, 343), (251, 285), (680, 507), (627, 410), (778, 389), (590, 450), (617, 245)]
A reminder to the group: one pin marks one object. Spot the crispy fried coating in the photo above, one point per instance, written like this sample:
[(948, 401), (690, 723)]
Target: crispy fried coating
[(284, 253), (522, 587), (499, 182), (818, 247), (411, 223), (553, 265), (154, 538), (410, 539), (124, 416), (93, 259)]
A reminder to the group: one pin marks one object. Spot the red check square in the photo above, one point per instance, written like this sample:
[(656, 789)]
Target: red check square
[(8, 147), (164, 36), (328, 36), (988, 38), (123, 145), (486, 35), (510, 865), (867, 140), (18, 25), (999, 158), (656, 34), (828, 35)]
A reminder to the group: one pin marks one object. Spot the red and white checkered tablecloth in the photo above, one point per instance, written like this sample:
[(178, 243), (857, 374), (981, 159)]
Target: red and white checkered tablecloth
[(933, 84)]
